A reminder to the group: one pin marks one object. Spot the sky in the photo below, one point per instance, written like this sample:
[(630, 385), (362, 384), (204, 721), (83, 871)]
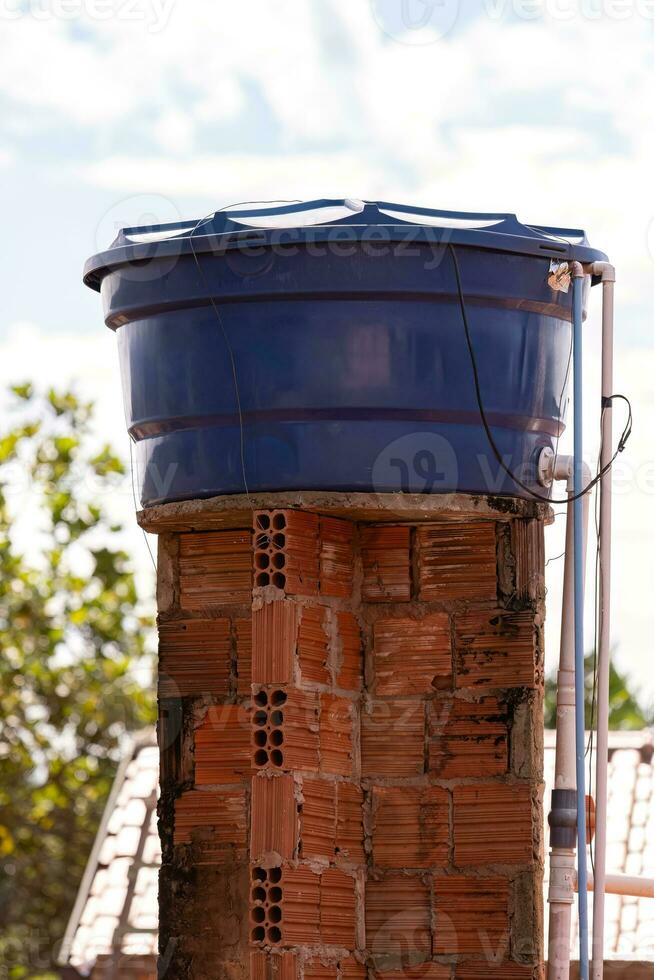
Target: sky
[(120, 112)]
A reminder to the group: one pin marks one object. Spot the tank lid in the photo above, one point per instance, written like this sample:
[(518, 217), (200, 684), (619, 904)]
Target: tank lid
[(285, 223)]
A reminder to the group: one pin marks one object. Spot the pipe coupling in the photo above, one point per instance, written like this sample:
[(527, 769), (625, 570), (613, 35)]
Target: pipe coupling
[(563, 818)]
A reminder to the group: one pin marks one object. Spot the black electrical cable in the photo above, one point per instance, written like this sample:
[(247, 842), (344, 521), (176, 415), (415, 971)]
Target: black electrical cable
[(482, 412)]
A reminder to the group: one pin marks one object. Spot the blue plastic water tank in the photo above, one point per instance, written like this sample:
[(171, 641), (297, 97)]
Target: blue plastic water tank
[(321, 346)]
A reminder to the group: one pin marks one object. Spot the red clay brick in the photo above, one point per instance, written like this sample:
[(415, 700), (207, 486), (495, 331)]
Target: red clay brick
[(393, 738), (272, 966), (422, 971), (194, 657), (316, 970), (274, 818), (243, 630), (468, 738), (386, 559), (336, 557), (318, 819), (331, 821), (412, 656), (274, 638), (286, 729), (500, 971), (471, 914), (410, 827), (287, 550), (492, 824), (349, 654), (222, 746), (352, 970), (349, 823), (337, 909), (397, 916), (301, 907), (336, 724), (457, 561), (528, 547), (215, 569), (313, 645), (495, 650), (216, 821)]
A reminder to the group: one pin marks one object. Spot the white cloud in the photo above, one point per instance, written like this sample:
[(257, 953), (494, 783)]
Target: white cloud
[(230, 176)]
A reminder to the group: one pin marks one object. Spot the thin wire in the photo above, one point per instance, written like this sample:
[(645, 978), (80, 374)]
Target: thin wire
[(562, 555), (131, 471), (489, 435), (228, 345)]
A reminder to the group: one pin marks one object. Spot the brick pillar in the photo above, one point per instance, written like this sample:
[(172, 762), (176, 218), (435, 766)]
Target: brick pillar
[(351, 736)]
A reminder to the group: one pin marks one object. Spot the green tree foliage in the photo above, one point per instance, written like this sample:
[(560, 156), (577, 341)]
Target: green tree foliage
[(625, 710), (70, 638)]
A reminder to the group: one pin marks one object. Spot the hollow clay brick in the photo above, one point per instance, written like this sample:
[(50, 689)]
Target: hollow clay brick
[(468, 738), (385, 553), (215, 821), (410, 827), (412, 656), (349, 653), (495, 649), (274, 639), (471, 914), (336, 730), (493, 824), (222, 746), (393, 738), (397, 916), (274, 818), (457, 560), (215, 569), (331, 821), (287, 551), (194, 657), (336, 557), (243, 631), (313, 645)]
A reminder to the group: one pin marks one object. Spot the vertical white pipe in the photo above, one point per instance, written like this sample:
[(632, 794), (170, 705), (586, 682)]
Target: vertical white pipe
[(561, 893), (604, 652), (580, 568)]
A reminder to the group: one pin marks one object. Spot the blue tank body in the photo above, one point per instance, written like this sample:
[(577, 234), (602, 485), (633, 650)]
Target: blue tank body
[(322, 346)]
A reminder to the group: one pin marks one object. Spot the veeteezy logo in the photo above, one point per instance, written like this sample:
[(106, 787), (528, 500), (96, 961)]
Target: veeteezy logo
[(419, 22), (154, 13)]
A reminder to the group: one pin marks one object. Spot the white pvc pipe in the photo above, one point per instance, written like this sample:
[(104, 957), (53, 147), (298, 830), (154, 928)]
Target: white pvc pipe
[(625, 885), (562, 860), (607, 273)]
